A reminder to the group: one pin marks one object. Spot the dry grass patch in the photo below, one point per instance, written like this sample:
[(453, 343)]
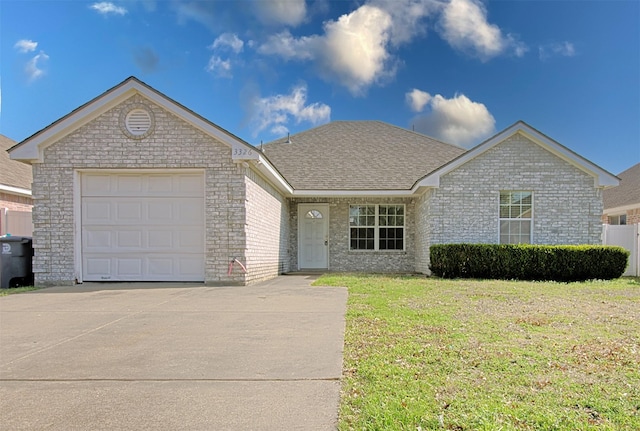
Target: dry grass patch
[(425, 353)]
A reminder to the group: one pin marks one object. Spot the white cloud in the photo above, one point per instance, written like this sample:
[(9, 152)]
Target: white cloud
[(558, 49), (352, 50), (457, 120), (107, 8), (417, 99), (288, 47), (25, 45), (407, 17), (34, 67), (228, 41), (202, 12), (464, 25), (273, 113), (287, 12), (219, 67)]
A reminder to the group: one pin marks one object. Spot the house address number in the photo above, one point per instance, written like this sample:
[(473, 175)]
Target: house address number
[(242, 152)]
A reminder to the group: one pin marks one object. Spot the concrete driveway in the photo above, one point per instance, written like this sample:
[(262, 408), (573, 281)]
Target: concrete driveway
[(172, 357)]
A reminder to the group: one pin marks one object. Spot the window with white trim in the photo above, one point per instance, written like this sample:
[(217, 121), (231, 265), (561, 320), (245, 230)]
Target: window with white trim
[(376, 227), (516, 217), (618, 219)]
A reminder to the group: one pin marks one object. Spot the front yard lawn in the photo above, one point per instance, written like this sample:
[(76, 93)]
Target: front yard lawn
[(429, 354)]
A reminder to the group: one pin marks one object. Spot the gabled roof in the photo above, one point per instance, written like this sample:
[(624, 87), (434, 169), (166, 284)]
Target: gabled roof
[(602, 178), (15, 177), (364, 156), (627, 193), (31, 148)]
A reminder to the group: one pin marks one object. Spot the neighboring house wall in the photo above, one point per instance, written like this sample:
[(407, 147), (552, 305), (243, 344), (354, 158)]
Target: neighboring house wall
[(465, 208), (633, 216), (15, 203), (100, 144), (16, 223), (341, 258), (267, 230)]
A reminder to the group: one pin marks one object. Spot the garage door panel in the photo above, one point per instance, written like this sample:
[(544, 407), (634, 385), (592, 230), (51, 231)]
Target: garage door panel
[(129, 212), (97, 239), (96, 184), (190, 267), (190, 211), (189, 239), (147, 267), (129, 268), (160, 239), (190, 185), (96, 212), (143, 227), (98, 267), (106, 239), (143, 184), (161, 266), (129, 239), (129, 185)]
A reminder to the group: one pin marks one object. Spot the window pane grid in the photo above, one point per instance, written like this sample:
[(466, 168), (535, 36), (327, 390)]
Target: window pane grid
[(515, 214), (376, 227)]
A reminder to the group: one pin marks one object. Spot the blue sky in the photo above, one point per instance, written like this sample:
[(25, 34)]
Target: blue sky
[(458, 70)]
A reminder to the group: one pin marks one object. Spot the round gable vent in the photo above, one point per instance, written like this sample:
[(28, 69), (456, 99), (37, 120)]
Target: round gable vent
[(137, 123)]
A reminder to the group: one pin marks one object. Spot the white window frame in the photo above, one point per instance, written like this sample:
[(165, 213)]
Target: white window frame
[(376, 228), (617, 219), (513, 219)]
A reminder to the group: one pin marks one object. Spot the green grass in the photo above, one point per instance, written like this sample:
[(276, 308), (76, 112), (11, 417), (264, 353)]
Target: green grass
[(429, 354), (11, 291)]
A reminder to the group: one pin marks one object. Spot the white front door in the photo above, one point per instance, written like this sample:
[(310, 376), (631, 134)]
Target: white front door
[(313, 236)]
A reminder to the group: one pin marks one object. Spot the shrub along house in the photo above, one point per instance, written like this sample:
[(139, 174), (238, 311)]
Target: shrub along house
[(134, 186)]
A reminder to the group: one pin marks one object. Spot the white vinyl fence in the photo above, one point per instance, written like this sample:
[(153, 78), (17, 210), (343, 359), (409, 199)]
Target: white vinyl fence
[(626, 236), (16, 223)]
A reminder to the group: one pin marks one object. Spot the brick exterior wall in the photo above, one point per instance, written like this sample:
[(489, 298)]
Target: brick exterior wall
[(341, 258), (267, 230), (15, 202), (633, 216), (102, 144), (566, 205)]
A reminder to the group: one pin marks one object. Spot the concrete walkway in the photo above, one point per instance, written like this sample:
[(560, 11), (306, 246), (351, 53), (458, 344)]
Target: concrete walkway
[(172, 357)]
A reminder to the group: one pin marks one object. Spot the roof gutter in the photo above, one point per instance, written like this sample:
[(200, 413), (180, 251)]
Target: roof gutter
[(15, 190)]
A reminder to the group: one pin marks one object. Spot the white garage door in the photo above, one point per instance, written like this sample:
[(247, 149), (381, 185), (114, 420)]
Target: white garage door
[(142, 227)]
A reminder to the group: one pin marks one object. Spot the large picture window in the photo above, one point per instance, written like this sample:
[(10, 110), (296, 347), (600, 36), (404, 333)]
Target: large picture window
[(516, 217), (376, 227)]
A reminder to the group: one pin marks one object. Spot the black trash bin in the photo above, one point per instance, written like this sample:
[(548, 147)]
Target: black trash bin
[(16, 253)]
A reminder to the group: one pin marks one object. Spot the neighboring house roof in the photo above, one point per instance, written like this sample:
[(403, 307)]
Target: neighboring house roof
[(357, 155), (602, 178), (15, 177), (627, 193)]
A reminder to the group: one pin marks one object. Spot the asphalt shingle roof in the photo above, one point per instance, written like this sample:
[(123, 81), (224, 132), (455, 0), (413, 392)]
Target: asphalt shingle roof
[(627, 193), (13, 173), (358, 155)]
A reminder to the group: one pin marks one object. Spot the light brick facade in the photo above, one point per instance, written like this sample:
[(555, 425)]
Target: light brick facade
[(251, 209), (101, 144), (267, 230), (341, 258), (465, 208)]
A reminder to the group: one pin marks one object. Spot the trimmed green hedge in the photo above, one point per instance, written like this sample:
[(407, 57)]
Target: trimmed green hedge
[(528, 262)]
